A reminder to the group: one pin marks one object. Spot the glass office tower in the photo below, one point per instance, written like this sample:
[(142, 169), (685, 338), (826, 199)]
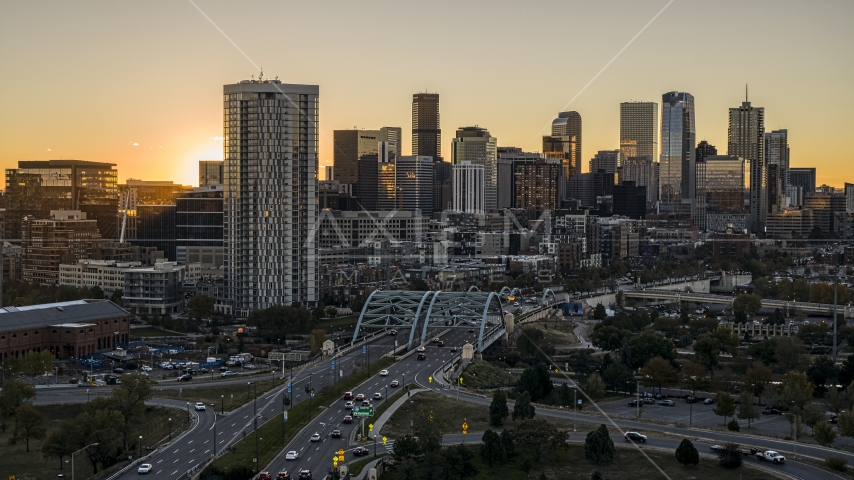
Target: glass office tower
[(746, 139), (723, 189), (678, 142), (426, 133)]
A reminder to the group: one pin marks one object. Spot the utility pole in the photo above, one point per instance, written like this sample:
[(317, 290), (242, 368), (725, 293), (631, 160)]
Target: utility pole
[(835, 311)]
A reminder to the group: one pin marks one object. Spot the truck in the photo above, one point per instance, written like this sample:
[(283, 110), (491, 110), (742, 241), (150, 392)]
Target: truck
[(771, 456)]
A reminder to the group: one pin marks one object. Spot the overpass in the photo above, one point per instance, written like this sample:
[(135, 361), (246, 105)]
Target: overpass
[(784, 305)]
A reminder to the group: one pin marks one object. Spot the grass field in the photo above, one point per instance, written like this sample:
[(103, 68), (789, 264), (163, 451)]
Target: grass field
[(270, 434), (153, 332), (339, 323), (356, 467), (15, 460), (233, 395), (628, 464), (557, 333)]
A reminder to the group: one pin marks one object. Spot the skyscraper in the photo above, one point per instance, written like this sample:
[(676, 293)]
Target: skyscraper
[(348, 147), (569, 124), (641, 171), (210, 172), (468, 187), (746, 139), (705, 149), (394, 136), (426, 133), (476, 145), (605, 160), (270, 199), (678, 140), (777, 153), (638, 130), (415, 181), (798, 177), (723, 186)]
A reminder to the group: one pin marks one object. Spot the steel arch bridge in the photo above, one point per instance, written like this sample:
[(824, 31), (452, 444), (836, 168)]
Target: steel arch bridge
[(434, 311), (508, 291), (546, 293)]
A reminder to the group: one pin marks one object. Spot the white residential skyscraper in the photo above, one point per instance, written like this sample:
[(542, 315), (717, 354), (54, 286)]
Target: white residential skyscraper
[(270, 151), (468, 183)]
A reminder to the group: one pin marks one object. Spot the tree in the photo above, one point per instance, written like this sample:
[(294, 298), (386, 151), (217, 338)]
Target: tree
[(538, 435), (523, 409), (822, 370), (694, 377), (650, 344), (116, 297), (796, 390), (776, 318), (277, 322), (610, 338), (730, 456), (315, 340), (201, 306), (687, 454), (459, 462), (658, 372), (709, 345), (846, 370), (429, 427), (531, 343), (746, 305), (595, 386), (618, 378), (759, 376), (812, 416), (61, 442), (845, 423), (331, 312), (318, 313), (418, 285), (14, 394), (406, 448), (498, 410), (492, 449), (598, 446), (508, 442), (746, 410), (733, 426), (823, 293), (823, 434), (536, 381), (599, 312), (30, 425), (838, 400), (724, 405), (788, 354)]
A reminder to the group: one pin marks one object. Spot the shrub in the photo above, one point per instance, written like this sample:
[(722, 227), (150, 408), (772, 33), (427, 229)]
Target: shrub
[(730, 457), (839, 464), (733, 426)]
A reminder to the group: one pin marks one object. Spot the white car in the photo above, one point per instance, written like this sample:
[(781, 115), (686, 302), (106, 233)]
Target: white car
[(227, 373), (200, 407), (315, 437), (383, 373), (144, 468), (146, 368), (378, 396), (292, 455), (421, 348), (348, 405)]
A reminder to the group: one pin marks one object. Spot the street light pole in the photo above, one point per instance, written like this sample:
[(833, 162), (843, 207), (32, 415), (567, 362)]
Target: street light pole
[(140, 446), (75, 453), (214, 429), (170, 429), (222, 404)]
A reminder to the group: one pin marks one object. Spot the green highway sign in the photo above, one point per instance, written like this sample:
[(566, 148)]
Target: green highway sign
[(363, 411)]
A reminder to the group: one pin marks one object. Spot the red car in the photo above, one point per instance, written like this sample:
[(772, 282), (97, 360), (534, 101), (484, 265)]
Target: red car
[(360, 397), (348, 419), (394, 384), (348, 395), (421, 356), (359, 451), (283, 476), (264, 476), (692, 400)]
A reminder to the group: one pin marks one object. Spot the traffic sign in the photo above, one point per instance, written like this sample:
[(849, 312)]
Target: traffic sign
[(285, 416), (430, 379), (465, 427), (340, 451), (340, 458), (289, 387), (461, 380), (363, 411), (333, 365), (370, 427), (384, 439), (364, 349)]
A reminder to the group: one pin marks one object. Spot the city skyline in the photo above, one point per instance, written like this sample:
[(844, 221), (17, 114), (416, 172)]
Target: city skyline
[(173, 119)]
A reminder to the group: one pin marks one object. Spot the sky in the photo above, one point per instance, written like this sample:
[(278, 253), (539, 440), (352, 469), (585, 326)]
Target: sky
[(139, 84)]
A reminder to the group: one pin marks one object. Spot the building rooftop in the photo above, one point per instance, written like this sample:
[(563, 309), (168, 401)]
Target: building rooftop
[(61, 313)]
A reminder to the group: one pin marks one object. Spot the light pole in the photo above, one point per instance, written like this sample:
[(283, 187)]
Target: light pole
[(170, 429), (189, 415), (574, 404), (87, 395), (140, 446), (75, 453), (214, 429), (222, 404), (795, 435)]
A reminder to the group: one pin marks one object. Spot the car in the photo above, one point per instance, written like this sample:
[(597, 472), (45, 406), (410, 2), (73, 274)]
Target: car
[(440, 344), (335, 433), (227, 373), (315, 437), (185, 378), (292, 455), (635, 437), (453, 349), (516, 304), (249, 366), (392, 333), (420, 348), (691, 400), (147, 368), (771, 456), (471, 330), (717, 448), (200, 407), (634, 403), (394, 384), (378, 396), (348, 405), (264, 476), (144, 468), (366, 403), (708, 401), (359, 451), (347, 419), (667, 403), (348, 395), (305, 474), (383, 373), (204, 370), (435, 339), (283, 475), (223, 368), (118, 370), (360, 397), (648, 401), (421, 356), (772, 411)]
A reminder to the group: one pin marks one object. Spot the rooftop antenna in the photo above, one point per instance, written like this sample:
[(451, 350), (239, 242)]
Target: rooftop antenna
[(261, 75), (745, 94)]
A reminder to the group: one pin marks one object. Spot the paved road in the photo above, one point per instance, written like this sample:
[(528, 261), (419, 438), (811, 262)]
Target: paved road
[(317, 456)]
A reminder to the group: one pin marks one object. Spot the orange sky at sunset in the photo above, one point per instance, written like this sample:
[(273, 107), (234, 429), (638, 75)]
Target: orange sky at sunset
[(140, 83)]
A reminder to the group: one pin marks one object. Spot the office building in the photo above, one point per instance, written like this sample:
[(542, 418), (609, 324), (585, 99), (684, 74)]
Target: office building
[(723, 188), (641, 171), (37, 187), (393, 136), (568, 124), (329, 172), (537, 185), (476, 146), (108, 275), (638, 130), (210, 172), (348, 147), (426, 133), (388, 192), (849, 197), (155, 289), (270, 199), (134, 193), (775, 196), (415, 182), (777, 153), (442, 186), (469, 189), (606, 160), (156, 228), (746, 139), (630, 200), (678, 140), (199, 227), (508, 159), (804, 178), (581, 189), (65, 237), (366, 189), (705, 149)]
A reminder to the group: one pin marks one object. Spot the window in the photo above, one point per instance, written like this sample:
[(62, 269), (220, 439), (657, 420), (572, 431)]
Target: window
[(53, 331)]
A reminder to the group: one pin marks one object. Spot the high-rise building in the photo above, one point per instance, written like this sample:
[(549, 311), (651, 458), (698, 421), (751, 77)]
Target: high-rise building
[(389, 194), (568, 124), (199, 226), (477, 146), (37, 187), (746, 139), (605, 160), (777, 153), (468, 184), (271, 161), (630, 200), (415, 182), (155, 227), (705, 149), (508, 159), (678, 140), (426, 132), (65, 237), (638, 130), (442, 186), (566, 149), (798, 177), (135, 193), (849, 197), (723, 187), (367, 188), (641, 171), (394, 136), (348, 147), (537, 185), (210, 172)]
